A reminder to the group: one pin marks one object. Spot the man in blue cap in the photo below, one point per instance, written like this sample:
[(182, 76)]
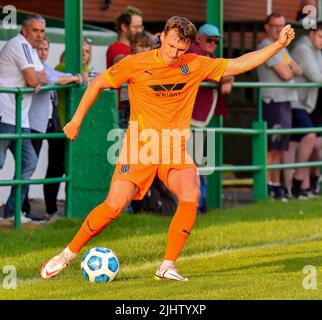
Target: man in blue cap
[(209, 30), (209, 101)]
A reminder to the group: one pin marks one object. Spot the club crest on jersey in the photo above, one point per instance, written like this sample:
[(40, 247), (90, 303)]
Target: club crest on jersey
[(184, 69), (125, 168)]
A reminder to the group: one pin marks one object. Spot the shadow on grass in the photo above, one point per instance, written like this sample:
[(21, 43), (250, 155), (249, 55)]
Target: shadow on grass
[(283, 265), (129, 226), (264, 211)]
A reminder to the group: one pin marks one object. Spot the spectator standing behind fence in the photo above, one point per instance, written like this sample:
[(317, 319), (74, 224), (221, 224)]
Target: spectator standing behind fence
[(316, 115), (209, 101), (56, 151), (20, 67), (42, 113), (277, 110), (307, 52), (127, 25)]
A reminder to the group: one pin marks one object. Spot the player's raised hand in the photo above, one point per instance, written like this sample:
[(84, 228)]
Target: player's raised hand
[(71, 130), (286, 35)]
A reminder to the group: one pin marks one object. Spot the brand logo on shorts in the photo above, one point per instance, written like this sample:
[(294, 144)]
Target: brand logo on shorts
[(125, 168), (184, 69)]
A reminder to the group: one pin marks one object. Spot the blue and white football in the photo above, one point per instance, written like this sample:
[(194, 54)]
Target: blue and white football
[(100, 264)]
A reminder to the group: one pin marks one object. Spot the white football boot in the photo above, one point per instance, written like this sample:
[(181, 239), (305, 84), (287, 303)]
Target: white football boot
[(168, 271), (52, 267)]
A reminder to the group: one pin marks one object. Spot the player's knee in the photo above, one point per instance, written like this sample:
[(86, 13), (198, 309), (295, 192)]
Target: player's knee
[(117, 204), (190, 195), (109, 212)]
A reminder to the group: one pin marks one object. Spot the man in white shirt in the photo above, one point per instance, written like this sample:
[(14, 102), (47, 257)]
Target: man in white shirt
[(42, 116), (20, 67)]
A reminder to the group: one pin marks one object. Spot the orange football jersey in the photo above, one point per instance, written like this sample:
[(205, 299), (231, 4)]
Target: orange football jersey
[(162, 96)]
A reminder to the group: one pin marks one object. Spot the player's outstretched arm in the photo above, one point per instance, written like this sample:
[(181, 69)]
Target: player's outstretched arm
[(256, 58), (100, 83)]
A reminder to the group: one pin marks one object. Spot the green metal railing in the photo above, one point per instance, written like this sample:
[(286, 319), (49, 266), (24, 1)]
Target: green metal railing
[(19, 136), (259, 133)]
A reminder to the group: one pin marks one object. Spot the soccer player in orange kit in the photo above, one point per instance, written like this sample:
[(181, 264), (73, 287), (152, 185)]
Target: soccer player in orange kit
[(162, 86)]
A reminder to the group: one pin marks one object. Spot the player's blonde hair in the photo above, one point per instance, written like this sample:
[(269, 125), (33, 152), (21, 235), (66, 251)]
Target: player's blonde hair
[(185, 29)]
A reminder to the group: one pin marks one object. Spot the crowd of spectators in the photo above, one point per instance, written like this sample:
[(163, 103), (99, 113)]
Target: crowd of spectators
[(292, 108)]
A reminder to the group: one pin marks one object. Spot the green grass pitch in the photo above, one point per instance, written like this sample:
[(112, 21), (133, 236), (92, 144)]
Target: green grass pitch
[(258, 251)]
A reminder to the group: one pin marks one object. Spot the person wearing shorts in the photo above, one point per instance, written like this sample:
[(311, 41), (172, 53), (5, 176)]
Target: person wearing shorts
[(278, 115), (162, 86), (306, 113), (277, 112)]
